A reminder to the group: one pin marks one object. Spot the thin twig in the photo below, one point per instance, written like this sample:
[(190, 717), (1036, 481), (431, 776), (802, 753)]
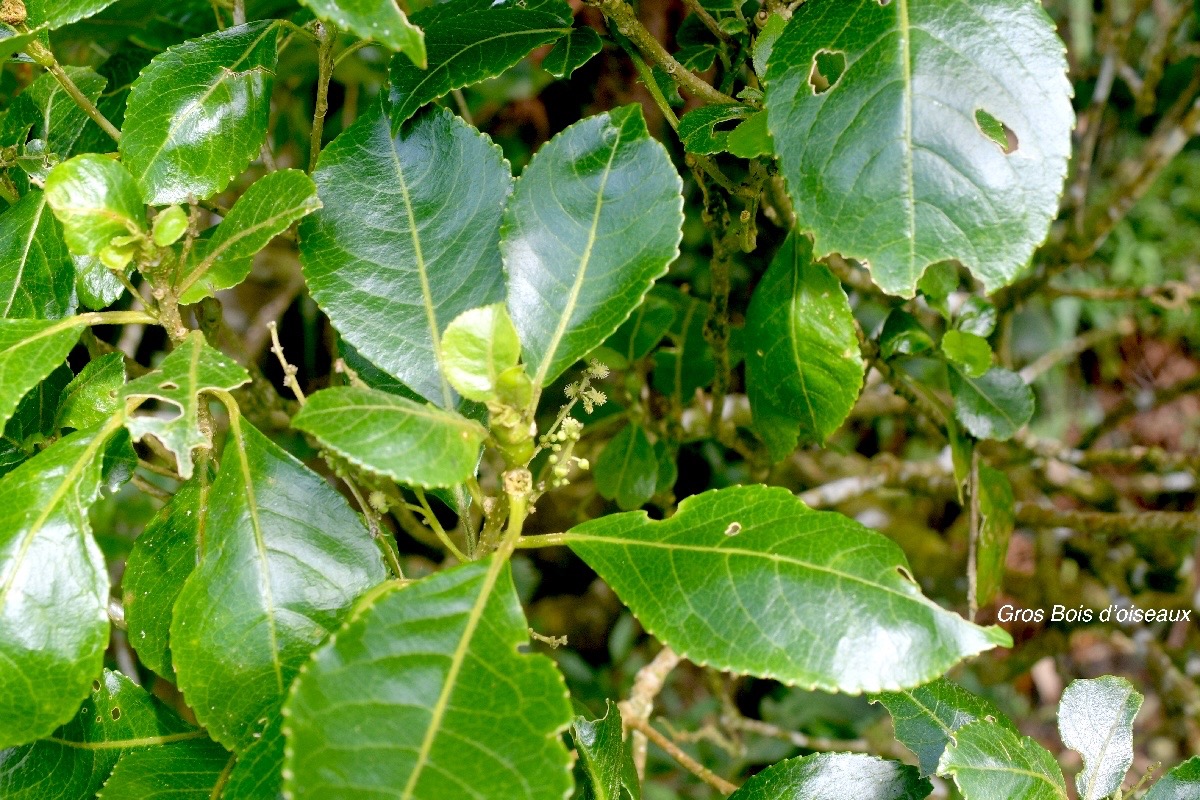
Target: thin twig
[(646, 685), (709, 21), (973, 540), (326, 37), (687, 762), (289, 370), (45, 58)]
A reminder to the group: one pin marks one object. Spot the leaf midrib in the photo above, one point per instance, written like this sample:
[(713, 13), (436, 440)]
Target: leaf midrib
[(123, 744), (1091, 785)]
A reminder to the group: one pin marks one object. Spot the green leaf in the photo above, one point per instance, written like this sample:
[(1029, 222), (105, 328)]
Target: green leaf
[(198, 113), (644, 329), (265, 210), (190, 370), (257, 775), (53, 586), (594, 220), (937, 283), (95, 284), (627, 469), (161, 560), (409, 442), (378, 20), (572, 51), (804, 369), (606, 758), (688, 364), (286, 556), (190, 770), (37, 276), (926, 718), (751, 138), (990, 761), (1181, 783), (903, 335), (170, 224), (997, 519), (764, 43), (55, 118), (970, 353), (407, 239), (468, 41), (477, 346), (29, 351), (96, 201), (1095, 719), (32, 424), (766, 560), (93, 395), (406, 700), (835, 776), (12, 42), (52, 14), (977, 316), (993, 406), (77, 758), (698, 128), (889, 165)]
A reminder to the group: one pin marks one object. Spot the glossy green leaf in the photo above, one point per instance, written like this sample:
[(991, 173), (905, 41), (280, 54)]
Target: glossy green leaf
[(644, 329), (572, 51), (993, 406), (996, 512), (96, 201), (265, 210), (32, 424), (159, 563), (926, 718), (406, 700), (752, 138), (52, 14), (467, 41), (903, 335), (970, 353), (284, 557), (688, 364), (189, 770), (937, 283), (45, 111), (1095, 719), (698, 128), (198, 113), (627, 468), (258, 773), (93, 395), (804, 369), (53, 587), (747, 562), (477, 346), (169, 226), (989, 761), (977, 316), (407, 239), (12, 42), (37, 276), (96, 286), (605, 756), (191, 370), (594, 220), (835, 776), (378, 20), (888, 165), (29, 351), (1181, 783), (76, 759)]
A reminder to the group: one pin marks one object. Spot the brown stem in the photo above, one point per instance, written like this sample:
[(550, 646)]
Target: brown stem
[(1111, 523), (687, 762), (45, 58)]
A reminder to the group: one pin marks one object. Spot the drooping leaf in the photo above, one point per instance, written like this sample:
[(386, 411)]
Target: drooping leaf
[(748, 561), (1181, 783), (1095, 719), (803, 368), (284, 557), (627, 468), (29, 351), (188, 770), (76, 759), (265, 210), (96, 201), (988, 761), (835, 776), (46, 112), (467, 41), (572, 51), (408, 697), (198, 113), (189, 371), (888, 164), (477, 347), (969, 353), (606, 758), (410, 442), (53, 587), (407, 239), (926, 718), (93, 395), (53, 14), (996, 526), (379, 20), (698, 128), (993, 406), (594, 220), (37, 276), (683, 368), (644, 329)]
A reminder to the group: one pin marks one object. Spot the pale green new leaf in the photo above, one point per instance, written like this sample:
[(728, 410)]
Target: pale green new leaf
[(969, 353), (627, 468), (37, 275), (409, 442), (407, 239), (996, 512), (594, 220), (771, 588), (379, 20), (191, 370), (284, 556), (93, 395), (572, 51), (605, 756), (990, 761), (197, 115), (835, 776), (993, 406), (188, 770), (29, 351), (890, 164), (265, 210), (96, 200), (1095, 719), (698, 128), (1181, 783), (53, 586), (408, 698), (476, 347), (803, 366)]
